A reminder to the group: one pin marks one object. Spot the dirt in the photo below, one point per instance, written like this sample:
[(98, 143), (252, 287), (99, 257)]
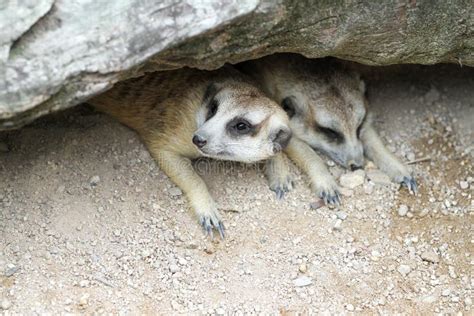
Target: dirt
[(89, 224)]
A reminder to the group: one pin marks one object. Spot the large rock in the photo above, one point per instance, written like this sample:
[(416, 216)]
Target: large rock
[(55, 54)]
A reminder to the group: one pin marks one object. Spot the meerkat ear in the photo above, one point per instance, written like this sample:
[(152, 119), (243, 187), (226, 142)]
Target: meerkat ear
[(211, 91), (289, 105)]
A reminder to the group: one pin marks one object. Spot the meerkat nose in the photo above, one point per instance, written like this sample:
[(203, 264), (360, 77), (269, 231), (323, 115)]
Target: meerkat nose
[(282, 138), (199, 141), (354, 166)]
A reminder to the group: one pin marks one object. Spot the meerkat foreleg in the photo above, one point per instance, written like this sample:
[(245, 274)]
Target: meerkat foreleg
[(376, 151), (182, 173), (278, 174), (308, 160)]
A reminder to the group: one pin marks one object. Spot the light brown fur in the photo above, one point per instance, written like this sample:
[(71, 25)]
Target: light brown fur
[(168, 108), (324, 96)]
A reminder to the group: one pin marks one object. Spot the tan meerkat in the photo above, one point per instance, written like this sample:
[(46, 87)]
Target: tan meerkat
[(186, 114), (328, 112)]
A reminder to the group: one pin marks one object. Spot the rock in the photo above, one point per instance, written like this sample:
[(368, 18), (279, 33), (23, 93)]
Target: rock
[(174, 268), (190, 33), (404, 269), (402, 210), (4, 147), (182, 261), (378, 177), (350, 307), (464, 185), (446, 292), (10, 270), (316, 204), (303, 268), (5, 304), (302, 281), (175, 192), (337, 225), (353, 179), (430, 256), (94, 181), (220, 311), (341, 215), (84, 283)]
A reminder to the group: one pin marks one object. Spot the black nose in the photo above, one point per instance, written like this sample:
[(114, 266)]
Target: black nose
[(282, 138), (199, 141), (355, 167)]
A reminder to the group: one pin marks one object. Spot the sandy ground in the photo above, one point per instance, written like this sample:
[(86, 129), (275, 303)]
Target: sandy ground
[(89, 224)]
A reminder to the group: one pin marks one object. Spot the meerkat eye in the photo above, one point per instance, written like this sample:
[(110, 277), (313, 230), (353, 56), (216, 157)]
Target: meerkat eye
[(212, 109), (242, 127), (359, 129), (289, 107), (331, 134)]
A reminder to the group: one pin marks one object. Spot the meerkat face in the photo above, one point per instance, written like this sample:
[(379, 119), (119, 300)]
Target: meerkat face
[(329, 115), (238, 122)]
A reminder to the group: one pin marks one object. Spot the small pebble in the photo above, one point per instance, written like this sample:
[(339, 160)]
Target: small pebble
[(94, 181), (430, 256), (337, 225), (404, 269), (175, 192), (303, 268), (174, 268), (446, 292), (6, 304), (402, 210), (341, 215), (464, 185), (350, 307), (84, 283), (353, 179), (302, 281), (316, 204)]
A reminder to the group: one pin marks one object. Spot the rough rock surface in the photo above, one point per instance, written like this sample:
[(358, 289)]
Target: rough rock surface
[(55, 54)]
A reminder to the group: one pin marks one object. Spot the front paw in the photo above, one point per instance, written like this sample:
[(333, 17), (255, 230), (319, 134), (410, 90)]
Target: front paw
[(328, 191), (410, 183), (210, 221), (280, 185)]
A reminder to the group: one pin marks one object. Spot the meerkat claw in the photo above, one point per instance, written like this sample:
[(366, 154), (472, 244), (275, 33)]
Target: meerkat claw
[(410, 184), (209, 224), (328, 198)]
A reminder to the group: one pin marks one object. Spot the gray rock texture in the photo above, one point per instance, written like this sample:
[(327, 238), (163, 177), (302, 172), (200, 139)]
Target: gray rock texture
[(57, 53)]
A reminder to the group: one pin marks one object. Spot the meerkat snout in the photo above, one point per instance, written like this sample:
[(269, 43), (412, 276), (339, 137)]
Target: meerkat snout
[(199, 141)]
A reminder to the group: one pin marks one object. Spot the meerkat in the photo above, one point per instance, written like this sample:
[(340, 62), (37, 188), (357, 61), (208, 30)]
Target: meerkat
[(328, 112), (185, 114)]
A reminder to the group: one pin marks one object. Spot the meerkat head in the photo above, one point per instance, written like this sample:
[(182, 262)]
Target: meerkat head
[(238, 122), (328, 111)]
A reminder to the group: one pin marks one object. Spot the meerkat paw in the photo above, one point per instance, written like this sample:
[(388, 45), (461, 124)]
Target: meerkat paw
[(280, 184), (402, 175), (328, 191), (279, 177), (410, 183), (211, 220)]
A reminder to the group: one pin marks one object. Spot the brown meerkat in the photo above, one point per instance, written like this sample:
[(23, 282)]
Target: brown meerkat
[(328, 112), (188, 113)]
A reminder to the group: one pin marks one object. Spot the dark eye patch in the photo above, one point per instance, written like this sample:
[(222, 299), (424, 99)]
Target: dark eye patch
[(330, 134), (212, 108), (288, 105), (359, 128), (240, 126)]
